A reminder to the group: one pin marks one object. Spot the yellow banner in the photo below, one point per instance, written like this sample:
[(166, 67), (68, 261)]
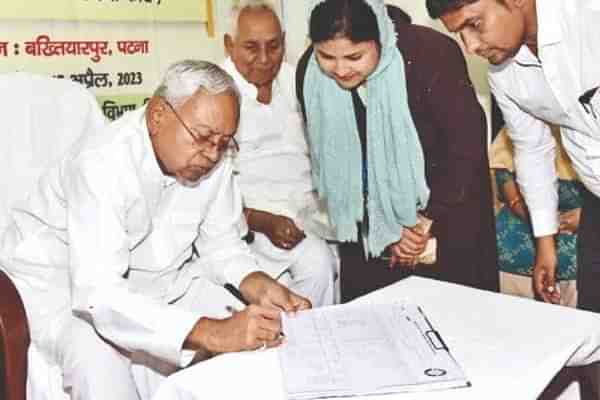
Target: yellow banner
[(107, 10)]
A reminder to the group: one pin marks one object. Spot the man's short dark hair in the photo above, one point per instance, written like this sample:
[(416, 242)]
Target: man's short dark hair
[(437, 8)]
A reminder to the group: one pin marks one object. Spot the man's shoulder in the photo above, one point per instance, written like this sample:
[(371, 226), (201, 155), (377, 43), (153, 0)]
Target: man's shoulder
[(574, 22), (287, 71), (116, 145), (287, 79), (570, 11)]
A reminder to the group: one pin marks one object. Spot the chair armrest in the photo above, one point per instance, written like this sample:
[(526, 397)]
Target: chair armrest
[(14, 342)]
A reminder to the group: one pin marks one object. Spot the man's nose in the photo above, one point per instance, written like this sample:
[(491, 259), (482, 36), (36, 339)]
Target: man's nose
[(263, 55)]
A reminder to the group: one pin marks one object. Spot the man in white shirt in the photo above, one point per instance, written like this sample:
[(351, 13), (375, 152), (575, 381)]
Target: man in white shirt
[(114, 248), (545, 58), (273, 166)]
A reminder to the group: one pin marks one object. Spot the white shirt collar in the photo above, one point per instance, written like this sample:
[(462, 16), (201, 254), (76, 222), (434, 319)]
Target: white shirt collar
[(526, 57)]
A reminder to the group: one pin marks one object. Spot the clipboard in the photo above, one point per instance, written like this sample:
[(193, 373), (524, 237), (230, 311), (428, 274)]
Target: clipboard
[(351, 350)]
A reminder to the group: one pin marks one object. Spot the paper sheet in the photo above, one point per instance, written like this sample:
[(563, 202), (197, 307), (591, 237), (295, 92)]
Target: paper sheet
[(351, 350)]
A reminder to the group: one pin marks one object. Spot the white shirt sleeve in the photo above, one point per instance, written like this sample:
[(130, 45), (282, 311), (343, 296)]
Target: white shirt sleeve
[(534, 150), (99, 259), (221, 251)]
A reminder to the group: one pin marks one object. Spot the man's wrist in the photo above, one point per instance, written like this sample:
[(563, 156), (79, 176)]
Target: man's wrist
[(252, 284), (256, 219), (197, 340), (545, 250), (545, 242)]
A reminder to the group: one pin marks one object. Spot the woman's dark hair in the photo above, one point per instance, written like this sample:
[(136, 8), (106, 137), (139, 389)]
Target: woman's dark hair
[(350, 19)]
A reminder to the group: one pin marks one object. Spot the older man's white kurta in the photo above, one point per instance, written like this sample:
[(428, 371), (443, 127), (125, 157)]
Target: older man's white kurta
[(273, 171)]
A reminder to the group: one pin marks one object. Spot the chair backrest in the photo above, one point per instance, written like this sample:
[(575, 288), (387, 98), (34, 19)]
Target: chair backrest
[(14, 342), (42, 117)]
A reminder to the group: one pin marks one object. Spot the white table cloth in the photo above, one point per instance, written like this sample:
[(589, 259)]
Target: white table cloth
[(509, 347)]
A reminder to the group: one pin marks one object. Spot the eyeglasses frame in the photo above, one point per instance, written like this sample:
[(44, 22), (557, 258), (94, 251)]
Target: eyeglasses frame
[(200, 140)]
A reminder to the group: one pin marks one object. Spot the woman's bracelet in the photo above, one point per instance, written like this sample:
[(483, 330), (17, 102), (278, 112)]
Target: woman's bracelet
[(514, 201)]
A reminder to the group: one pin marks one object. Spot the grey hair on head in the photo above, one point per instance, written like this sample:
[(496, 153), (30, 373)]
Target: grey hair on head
[(184, 78), (236, 10)]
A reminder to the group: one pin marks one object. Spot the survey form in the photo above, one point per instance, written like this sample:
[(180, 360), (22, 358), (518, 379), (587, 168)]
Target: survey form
[(349, 350)]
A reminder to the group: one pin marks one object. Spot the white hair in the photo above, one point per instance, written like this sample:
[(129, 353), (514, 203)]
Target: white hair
[(236, 10), (184, 78)]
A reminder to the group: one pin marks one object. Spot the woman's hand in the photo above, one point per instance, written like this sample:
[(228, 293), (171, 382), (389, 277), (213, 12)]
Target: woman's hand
[(513, 199), (405, 251), (569, 221), (517, 207)]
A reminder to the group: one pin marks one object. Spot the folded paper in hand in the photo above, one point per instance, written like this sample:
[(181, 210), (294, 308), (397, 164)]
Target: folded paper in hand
[(428, 256)]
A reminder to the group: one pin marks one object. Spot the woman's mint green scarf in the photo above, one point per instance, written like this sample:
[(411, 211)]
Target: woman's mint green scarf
[(396, 177)]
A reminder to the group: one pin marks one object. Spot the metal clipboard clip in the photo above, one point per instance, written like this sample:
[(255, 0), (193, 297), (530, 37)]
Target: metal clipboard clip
[(436, 340)]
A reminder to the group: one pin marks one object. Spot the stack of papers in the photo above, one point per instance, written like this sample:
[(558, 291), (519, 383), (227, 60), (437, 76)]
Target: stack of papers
[(351, 350)]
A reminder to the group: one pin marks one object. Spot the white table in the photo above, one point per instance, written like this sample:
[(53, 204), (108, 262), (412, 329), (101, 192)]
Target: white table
[(509, 347)]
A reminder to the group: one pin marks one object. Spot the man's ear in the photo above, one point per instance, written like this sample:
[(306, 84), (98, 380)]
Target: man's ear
[(228, 43), (155, 113)]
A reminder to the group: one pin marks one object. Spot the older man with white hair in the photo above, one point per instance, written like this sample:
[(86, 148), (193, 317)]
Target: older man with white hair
[(119, 248), (273, 166)]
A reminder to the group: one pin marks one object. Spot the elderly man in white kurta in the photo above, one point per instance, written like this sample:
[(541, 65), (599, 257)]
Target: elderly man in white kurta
[(273, 166), (114, 248)]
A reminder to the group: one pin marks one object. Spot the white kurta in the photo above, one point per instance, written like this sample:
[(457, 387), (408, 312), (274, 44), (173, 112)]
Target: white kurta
[(273, 165), (105, 234), (531, 92), (273, 170)]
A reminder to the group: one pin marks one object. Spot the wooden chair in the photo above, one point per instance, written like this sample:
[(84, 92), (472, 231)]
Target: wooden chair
[(14, 342)]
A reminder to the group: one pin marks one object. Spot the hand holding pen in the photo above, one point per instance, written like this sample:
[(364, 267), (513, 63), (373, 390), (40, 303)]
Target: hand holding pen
[(260, 290), (237, 294)]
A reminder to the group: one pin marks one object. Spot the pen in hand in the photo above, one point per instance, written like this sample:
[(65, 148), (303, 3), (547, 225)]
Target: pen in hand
[(236, 293)]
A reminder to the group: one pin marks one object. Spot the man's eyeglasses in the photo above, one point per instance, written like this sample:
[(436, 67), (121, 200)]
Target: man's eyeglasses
[(226, 144)]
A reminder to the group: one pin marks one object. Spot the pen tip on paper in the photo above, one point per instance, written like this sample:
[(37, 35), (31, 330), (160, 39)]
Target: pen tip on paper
[(231, 310)]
